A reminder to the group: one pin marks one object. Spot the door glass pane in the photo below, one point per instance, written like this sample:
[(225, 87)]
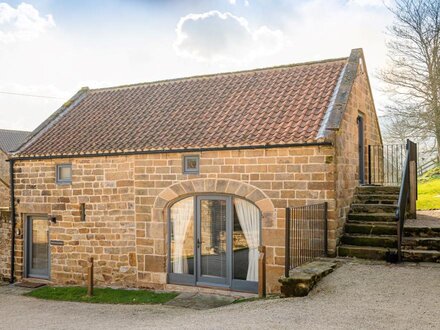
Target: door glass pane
[(40, 246), (182, 237), (241, 250), (246, 239), (213, 238)]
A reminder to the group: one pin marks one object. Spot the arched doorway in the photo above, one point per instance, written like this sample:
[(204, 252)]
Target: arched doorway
[(213, 241)]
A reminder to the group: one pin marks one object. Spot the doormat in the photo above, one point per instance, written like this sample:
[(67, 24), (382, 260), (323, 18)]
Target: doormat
[(29, 285)]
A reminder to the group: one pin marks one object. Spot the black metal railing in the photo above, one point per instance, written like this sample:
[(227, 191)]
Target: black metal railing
[(406, 206), (385, 164), (306, 234)]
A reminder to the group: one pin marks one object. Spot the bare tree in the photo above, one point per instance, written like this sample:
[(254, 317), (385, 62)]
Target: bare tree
[(413, 77)]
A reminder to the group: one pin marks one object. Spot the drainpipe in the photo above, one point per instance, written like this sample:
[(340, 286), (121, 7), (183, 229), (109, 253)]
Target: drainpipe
[(11, 174)]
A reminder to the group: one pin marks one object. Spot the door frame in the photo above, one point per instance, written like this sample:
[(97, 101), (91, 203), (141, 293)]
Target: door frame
[(361, 147), (188, 279), (27, 246)]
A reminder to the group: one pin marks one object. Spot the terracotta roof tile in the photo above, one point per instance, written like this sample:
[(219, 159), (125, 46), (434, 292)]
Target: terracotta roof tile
[(266, 106)]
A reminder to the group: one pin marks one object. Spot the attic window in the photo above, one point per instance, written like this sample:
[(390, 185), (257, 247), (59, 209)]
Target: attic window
[(191, 165), (64, 173)]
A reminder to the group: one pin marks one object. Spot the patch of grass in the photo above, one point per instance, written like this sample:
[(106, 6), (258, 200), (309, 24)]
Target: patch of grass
[(429, 194), (103, 296)]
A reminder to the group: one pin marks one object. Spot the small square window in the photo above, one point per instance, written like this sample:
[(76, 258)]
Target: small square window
[(64, 173), (191, 165)]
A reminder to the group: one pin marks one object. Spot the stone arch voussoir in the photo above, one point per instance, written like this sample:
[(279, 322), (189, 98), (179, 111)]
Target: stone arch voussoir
[(217, 186)]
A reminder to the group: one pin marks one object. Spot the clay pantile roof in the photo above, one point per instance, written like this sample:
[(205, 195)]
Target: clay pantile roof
[(10, 140), (279, 105)]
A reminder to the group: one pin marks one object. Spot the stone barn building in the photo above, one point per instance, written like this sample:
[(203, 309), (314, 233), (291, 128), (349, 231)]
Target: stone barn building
[(178, 182)]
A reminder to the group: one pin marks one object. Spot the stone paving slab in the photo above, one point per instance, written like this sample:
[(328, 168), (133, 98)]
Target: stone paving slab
[(200, 301), (11, 289)]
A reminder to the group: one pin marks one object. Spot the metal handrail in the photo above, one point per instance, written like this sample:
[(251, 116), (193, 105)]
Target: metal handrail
[(406, 188)]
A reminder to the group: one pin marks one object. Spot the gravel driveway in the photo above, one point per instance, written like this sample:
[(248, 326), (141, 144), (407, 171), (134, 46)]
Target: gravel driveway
[(355, 296)]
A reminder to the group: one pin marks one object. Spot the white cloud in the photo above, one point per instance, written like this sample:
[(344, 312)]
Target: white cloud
[(371, 3), (234, 2), (215, 36), (22, 23)]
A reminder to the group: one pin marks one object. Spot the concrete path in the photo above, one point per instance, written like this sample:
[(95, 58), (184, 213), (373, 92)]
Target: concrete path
[(425, 219), (358, 295)]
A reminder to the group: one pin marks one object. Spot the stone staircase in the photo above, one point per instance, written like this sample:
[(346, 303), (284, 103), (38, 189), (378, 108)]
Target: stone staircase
[(371, 229)]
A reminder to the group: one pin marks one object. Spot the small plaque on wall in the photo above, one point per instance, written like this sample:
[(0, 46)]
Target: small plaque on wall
[(56, 242)]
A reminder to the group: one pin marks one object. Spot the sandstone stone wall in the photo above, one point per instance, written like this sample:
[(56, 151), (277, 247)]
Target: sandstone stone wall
[(127, 198), (4, 179), (360, 102), (5, 245), (5, 226)]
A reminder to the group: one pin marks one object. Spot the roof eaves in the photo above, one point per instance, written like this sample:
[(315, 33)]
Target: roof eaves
[(107, 153), (49, 122), (336, 112)]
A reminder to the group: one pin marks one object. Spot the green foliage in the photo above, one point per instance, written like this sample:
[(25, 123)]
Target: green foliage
[(433, 173), (429, 193), (104, 296)]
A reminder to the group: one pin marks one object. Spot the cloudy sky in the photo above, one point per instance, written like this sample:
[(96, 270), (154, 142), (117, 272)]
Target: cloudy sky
[(52, 48)]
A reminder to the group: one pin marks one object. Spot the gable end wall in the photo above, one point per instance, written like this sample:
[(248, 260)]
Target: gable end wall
[(360, 101)]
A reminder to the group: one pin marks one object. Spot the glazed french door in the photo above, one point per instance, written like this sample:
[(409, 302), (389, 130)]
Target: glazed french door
[(37, 247), (213, 241)]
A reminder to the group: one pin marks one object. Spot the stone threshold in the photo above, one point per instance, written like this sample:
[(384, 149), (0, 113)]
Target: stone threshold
[(209, 290)]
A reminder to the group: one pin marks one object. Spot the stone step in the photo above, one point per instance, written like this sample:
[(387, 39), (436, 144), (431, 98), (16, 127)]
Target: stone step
[(422, 231), (376, 190), (364, 252), (379, 253), (380, 217), (302, 279), (421, 255), (376, 199), (371, 241), (371, 228), (373, 208), (421, 243)]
